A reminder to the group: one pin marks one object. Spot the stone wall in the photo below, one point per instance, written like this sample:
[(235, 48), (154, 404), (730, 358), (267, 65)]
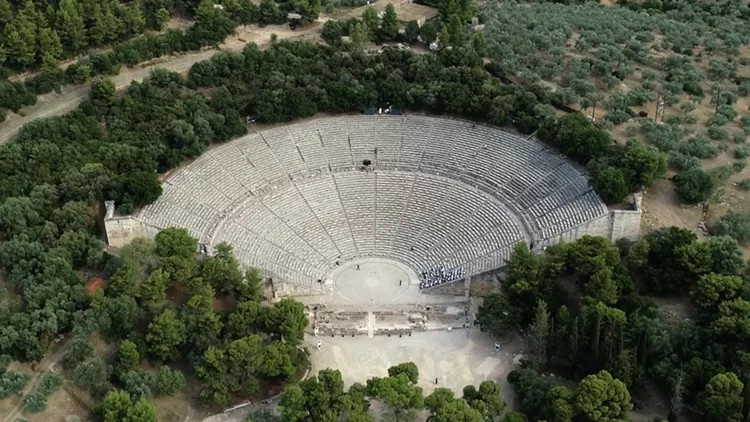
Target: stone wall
[(614, 225), (121, 230), (451, 289), (282, 289), (485, 284)]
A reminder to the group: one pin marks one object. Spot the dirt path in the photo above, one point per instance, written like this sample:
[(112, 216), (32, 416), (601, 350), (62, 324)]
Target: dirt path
[(57, 104), (46, 364)]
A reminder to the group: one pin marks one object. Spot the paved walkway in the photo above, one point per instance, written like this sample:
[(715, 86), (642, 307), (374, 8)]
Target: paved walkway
[(456, 358)]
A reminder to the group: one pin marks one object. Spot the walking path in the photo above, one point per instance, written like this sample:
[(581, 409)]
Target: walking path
[(55, 104)]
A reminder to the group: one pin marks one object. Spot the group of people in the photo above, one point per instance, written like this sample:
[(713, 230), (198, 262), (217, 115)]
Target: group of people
[(440, 275)]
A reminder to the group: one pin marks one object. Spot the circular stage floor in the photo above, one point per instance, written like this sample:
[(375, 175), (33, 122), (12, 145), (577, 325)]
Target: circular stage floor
[(380, 281), (374, 282)]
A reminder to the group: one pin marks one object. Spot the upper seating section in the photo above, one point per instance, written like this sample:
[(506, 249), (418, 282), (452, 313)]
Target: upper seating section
[(438, 193)]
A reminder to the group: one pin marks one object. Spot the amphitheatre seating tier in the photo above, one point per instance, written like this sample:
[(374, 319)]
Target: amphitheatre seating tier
[(297, 200)]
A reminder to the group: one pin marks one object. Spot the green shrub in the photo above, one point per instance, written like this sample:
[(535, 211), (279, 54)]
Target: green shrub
[(717, 134), (735, 225), (93, 375), (738, 165), (742, 151), (12, 382), (682, 162), (695, 185), (718, 120), (78, 351), (609, 182), (698, 147), (739, 138), (37, 401), (745, 184), (689, 119), (727, 111), (722, 173), (688, 107)]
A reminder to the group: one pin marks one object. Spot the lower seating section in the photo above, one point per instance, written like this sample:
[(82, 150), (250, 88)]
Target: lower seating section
[(450, 198)]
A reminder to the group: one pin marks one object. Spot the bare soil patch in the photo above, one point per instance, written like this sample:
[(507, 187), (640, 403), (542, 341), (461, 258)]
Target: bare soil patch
[(662, 208), (405, 9)]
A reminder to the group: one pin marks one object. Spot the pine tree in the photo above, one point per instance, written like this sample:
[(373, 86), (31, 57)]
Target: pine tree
[(371, 21), (596, 334), (538, 332), (359, 36), (389, 25), (575, 336), (70, 25), (480, 44), (20, 38), (6, 13), (50, 49)]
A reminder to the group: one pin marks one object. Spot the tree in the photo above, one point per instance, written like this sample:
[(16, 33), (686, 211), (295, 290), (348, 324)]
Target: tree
[(153, 290), (428, 32), (128, 357), (488, 400), (270, 13), (389, 25), (212, 24), (371, 21), (251, 289), (142, 411), (735, 225), (712, 289), (695, 185), (456, 411), (602, 287), (117, 407), (102, 94), (167, 382), (359, 36), (495, 315), (222, 270), (609, 182), (243, 320), (479, 44), (78, 350), (439, 397), (287, 320), (411, 32), (538, 332), (175, 242), (398, 393), (20, 38), (122, 282), (722, 398), (601, 397), (244, 360), (666, 272), (165, 334), (638, 254), (726, 255), (332, 32), (50, 49), (264, 415), (118, 316), (408, 368), (93, 375), (642, 165), (292, 404)]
